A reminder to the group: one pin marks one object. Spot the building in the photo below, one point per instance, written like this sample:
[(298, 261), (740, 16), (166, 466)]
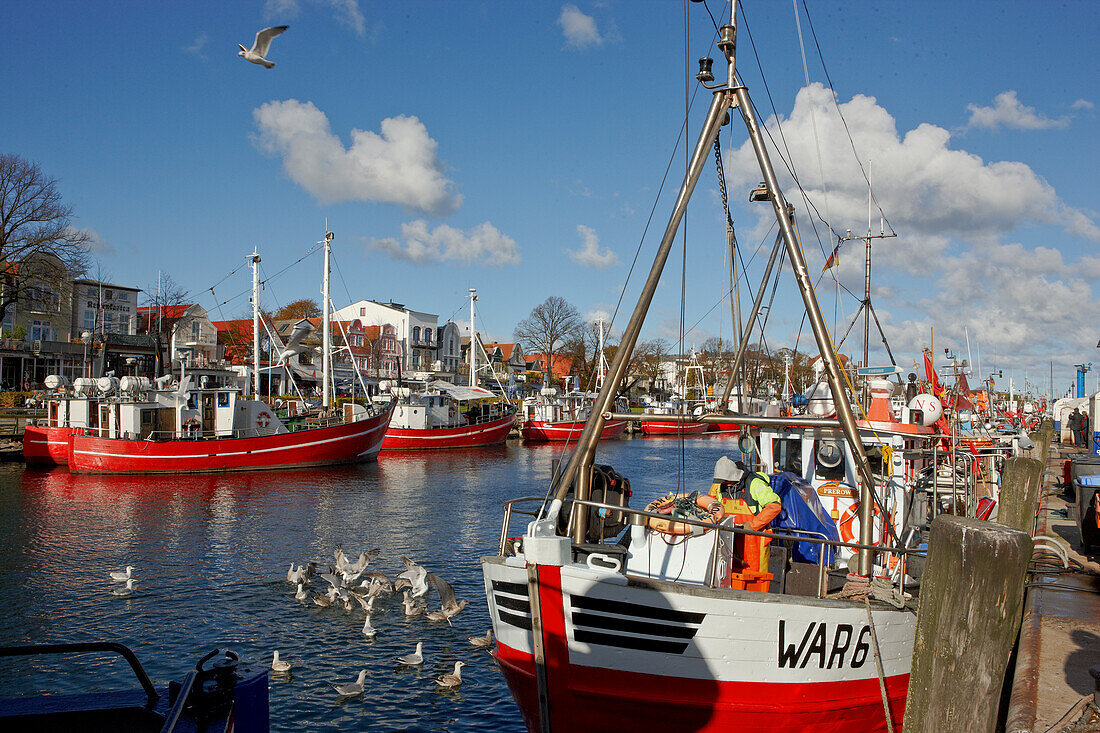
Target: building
[(506, 358), (183, 332), (100, 307), (426, 346)]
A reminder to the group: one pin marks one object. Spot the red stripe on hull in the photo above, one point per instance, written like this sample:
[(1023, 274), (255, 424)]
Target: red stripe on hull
[(605, 699), (467, 436), (664, 428), (537, 430), (46, 446), (344, 443)]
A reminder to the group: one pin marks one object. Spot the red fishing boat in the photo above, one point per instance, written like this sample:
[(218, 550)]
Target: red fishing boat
[(658, 428), (449, 416), (548, 417)]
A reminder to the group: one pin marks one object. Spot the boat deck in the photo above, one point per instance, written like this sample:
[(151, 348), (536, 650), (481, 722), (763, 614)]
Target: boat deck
[(1060, 633)]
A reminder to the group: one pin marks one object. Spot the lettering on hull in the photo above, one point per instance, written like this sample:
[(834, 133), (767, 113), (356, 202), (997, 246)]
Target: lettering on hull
[(825, 648)]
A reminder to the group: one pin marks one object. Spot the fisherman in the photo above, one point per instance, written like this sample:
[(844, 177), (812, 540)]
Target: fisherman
[(1073, 422), (749, 498)]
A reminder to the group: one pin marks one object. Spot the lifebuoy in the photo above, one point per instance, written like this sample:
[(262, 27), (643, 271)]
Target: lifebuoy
[(711, 506), (263, 419), (191, 423), (1033, 423), (849, 517), (452, 410)]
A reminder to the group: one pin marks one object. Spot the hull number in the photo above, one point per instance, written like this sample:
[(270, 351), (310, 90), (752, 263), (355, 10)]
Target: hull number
[(824, 647)]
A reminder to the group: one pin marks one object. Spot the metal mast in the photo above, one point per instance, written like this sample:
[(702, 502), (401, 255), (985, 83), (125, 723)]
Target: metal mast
[(326, 360), (255, 259), (473, 340)]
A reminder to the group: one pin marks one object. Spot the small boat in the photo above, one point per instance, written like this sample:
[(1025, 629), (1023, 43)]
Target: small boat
[(674, 407), (550, 418), (219, 695), (448, 416)]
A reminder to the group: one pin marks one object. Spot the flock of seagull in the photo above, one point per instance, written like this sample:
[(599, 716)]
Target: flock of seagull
[(350, 584)]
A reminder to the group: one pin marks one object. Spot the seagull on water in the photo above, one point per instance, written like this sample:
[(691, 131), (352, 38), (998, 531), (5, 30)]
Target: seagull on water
[(352, 689), (257, 53), (412, 608), (278, 666), (368, 630), (128, 590), (453, 680), (294, 576), (322, 601), (415, 658), (301, 594), (482, 641), (121, 575)]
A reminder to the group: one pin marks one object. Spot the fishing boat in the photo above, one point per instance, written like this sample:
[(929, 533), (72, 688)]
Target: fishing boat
[(448, 416), (549, 417), (607, 616), (135, 426), (221, 694), (675, 406)]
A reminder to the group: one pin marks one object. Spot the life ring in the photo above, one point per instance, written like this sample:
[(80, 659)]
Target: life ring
[(711, 507), (847, 518), (191, 424), (452, 410), (1033, 423), (263, 419)]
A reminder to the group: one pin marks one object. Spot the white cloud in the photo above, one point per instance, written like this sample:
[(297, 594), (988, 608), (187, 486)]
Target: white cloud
[(484, 244), (591, 255), (95, 243), (1008, 111), (926, 188), (1082, 104), (398, 166), (579, 29), (198, 45), (346, 12)]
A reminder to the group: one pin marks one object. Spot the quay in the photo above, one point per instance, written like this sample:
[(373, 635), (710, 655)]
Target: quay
[(1052, 689)]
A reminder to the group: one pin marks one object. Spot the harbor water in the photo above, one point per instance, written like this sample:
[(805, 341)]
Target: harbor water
[(211, 552)]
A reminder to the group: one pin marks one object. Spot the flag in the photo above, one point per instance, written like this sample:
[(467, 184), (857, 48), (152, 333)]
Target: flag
[(930, 374), (963, 401), (834, 259)]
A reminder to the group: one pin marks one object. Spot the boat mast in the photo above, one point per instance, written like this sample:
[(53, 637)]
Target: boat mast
[(326, 331), (601, 360), (473, 340), (255, 260)]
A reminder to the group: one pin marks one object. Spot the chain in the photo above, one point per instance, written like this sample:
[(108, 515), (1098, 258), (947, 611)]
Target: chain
[(722, 180)]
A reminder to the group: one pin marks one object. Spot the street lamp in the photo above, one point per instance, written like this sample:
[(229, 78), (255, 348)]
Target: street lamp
[(86, 337)]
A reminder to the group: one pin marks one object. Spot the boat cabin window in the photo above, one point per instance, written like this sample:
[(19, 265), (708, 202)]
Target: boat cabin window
[(148, 422), (787, 455), (223, 399), (829, 463)]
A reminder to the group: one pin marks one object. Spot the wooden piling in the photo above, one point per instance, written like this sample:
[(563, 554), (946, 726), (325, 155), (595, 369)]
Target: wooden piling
[(1021, 482), (970, 599)]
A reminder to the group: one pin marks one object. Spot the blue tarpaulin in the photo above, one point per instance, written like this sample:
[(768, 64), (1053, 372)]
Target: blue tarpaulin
[(802, 510)]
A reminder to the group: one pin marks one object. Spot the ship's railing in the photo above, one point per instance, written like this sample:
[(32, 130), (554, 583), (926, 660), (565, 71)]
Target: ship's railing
[(639, 516)]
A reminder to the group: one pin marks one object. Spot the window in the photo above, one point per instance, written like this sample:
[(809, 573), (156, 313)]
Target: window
[(439, 335), (223, 399), (89, 320), (123, 296), (108, 294), (40, 331), (195, 330), (829, 460), (416, 333), (362, 312), (787, 455)]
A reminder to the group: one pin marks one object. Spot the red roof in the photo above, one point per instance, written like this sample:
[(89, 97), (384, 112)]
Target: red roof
[(167, 311), (563, 365), (505, 349)]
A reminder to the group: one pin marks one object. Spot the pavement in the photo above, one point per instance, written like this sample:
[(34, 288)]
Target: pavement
[(1060, 633)]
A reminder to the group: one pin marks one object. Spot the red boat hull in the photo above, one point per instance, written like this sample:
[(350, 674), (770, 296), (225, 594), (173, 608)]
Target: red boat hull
[(46, 446), (600, 699), (540, 431), (344, 443), (467, 436), (667, 428)]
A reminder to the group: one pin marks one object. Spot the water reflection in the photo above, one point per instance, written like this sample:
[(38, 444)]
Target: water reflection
[(211, 554)]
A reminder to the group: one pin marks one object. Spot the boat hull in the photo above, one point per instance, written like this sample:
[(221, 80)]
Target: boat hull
[(344, 443), (665, 428), (621, 654), (46, 446), (466, 436), (543, 431)]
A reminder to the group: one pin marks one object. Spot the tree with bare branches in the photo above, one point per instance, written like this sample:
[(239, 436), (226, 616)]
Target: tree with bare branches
[(549, 326), (165, 303), (34, 221)]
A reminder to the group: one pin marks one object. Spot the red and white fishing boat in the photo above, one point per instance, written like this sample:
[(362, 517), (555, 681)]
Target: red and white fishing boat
[(550, 418), (449, 416), (606, 618)]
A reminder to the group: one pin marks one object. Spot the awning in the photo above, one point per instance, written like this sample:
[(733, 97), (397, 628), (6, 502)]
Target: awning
[(461, 393)]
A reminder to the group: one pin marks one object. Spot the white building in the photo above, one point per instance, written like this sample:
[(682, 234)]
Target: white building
[(100, 307), (426, 346)]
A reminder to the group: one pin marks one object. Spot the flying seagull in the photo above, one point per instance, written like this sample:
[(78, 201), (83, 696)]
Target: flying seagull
[(259, 48)]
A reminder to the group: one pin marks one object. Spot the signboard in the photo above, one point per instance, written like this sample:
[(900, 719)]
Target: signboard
[(878, 371), (834, 489)]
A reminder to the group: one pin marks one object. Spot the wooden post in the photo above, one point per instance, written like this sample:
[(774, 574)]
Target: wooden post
[(970, 600), (1019, 499)]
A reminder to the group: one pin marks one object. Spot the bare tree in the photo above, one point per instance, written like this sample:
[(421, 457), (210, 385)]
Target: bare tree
[(583, 344), (33, 220), (647, 359), (166, 302), (550, 324)]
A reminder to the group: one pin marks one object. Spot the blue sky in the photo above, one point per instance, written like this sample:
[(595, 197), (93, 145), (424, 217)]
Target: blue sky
[(517, 147)]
